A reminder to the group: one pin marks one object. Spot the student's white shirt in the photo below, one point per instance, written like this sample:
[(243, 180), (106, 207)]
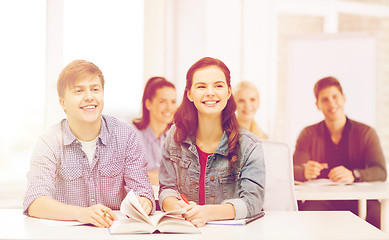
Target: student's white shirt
[(89, 148)]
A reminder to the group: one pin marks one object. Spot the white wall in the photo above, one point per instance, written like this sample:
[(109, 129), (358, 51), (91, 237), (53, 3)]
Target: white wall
[(244, 34), (219, 29), (351, 58)]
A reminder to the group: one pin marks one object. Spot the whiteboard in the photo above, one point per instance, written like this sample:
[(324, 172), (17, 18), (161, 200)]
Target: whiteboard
[(351, 58)]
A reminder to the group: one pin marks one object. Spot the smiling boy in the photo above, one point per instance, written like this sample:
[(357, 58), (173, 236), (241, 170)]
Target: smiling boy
[(83, 167), (338, 148)]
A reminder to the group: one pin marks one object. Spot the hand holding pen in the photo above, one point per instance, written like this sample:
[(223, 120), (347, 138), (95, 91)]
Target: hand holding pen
[(184, 202), (98, 215), (196, 214), (312, 169), (183, 197)]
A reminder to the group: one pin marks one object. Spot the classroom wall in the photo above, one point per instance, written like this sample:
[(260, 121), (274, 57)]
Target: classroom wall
[(234, 34), (380, 27), (251, 37), (290, 24)]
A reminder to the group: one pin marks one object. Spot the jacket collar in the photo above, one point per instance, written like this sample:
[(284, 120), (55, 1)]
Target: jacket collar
[(222, 148)]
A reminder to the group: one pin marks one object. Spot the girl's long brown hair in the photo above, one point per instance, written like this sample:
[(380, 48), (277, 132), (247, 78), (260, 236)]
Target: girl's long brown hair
[(186, 118), (152, 85)]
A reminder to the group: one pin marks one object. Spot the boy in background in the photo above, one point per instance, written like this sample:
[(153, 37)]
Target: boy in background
[(340, 149)]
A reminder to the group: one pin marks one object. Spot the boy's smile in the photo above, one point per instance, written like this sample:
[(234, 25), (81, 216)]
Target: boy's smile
[(84, 102)]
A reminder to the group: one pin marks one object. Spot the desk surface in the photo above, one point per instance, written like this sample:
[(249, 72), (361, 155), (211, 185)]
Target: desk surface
[(371, 190), (275, 225)]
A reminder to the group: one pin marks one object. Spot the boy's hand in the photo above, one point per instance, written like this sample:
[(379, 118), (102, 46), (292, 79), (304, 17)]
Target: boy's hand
[(146, 204), (312, 169), (341, 174), (98, 215)]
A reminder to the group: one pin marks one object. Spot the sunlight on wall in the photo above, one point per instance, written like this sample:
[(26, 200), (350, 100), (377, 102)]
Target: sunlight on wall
[(22, 58), (109, 34)]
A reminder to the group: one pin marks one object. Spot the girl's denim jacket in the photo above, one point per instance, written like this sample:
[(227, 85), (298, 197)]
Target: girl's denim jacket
[(244, 188)]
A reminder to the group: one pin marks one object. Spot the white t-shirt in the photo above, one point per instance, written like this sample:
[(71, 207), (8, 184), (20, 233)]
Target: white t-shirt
[(89, 148)]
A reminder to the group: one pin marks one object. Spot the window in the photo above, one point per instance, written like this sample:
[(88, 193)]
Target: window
[(109, 34), (22, 92)]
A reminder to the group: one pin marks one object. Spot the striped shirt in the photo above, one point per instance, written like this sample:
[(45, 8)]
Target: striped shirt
[(60, 168)]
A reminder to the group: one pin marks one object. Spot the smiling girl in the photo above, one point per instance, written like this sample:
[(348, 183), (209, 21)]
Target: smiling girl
[(206, 156), (247, 104), (158, 107)]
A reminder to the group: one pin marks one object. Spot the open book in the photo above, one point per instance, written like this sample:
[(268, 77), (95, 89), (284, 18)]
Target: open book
[(133, 219)]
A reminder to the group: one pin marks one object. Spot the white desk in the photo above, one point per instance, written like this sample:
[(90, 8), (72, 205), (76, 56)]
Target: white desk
[(275, 225), (357, 191)]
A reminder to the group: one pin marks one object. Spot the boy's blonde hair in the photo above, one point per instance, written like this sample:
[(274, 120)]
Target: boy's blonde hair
[(78, 69)]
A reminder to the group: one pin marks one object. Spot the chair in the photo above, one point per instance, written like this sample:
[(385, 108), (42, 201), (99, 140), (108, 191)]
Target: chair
[(279, 188)]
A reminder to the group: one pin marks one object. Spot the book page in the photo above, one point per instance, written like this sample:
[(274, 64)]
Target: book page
[(127, 225), (176, 224), (181, 226), (167, 224), (140, 222), (132, 208), (158, 216)]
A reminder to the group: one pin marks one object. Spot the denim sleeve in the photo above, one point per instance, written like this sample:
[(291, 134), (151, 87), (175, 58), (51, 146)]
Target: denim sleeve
[(167, 172), (251, 190)]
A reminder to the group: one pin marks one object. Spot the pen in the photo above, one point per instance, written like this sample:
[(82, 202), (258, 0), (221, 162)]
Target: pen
[(261, 214), (184, 198), (107, 215)]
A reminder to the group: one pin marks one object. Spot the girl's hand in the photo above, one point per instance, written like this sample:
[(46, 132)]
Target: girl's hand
[(196, 214), (182, 203)]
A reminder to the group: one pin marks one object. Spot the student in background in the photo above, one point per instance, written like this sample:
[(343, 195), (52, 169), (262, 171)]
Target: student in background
[(83, 167), (247, 103), (158, 107), (206, 156), (340, 149)]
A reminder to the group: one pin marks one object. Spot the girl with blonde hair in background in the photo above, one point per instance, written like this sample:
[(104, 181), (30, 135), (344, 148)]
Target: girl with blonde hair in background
[(247, 105)]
